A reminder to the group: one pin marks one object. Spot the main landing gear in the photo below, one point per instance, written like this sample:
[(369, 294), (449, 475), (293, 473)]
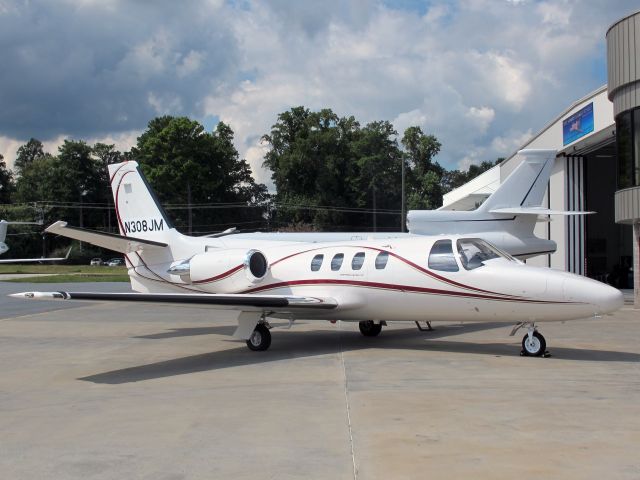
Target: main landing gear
[(533, 343), (260, 339), (370, 328)]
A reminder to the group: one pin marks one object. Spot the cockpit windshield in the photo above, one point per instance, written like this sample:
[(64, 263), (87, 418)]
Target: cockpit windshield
[(474, 252)]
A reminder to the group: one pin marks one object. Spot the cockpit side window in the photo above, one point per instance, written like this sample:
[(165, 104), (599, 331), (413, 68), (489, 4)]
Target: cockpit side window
[(441, 257), (474, 252)]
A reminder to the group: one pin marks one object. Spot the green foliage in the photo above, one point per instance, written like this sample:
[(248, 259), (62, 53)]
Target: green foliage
[(6, 182), (330, 172), (424, 176), (27, 153), (318, 159), (185, 164)]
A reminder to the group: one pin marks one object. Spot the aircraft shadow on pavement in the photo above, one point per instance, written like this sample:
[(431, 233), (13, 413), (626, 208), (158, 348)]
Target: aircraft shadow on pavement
[(290, 345), (190, 332)]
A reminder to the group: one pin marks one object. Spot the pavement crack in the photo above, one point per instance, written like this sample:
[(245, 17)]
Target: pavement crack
[(346, 401)]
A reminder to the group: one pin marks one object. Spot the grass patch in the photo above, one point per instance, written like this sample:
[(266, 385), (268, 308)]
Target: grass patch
[(79, 278), (61, 269)]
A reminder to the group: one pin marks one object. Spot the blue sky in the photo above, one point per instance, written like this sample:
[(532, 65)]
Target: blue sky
[(481, 75)]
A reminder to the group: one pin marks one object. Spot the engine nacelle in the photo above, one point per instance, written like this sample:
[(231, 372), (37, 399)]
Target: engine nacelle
[(226, 271)]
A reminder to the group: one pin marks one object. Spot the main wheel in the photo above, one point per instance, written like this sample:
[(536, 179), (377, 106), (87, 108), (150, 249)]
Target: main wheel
[(534, 348), (370, 329), (260, 339)]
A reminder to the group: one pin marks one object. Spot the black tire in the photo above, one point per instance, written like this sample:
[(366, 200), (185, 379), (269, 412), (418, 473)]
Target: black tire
[(536, 348), (370, 329), (260, 339)]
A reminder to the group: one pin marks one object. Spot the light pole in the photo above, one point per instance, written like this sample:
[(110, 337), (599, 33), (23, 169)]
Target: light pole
[(402, 208), (83, 192)]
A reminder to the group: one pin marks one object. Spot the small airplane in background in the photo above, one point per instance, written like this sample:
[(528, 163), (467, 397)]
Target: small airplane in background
[(372, 282), (506, 218), (4, 247)]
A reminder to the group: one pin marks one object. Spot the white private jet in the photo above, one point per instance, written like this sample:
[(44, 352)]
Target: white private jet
[(506, 218), (422, 278), (4, 247)]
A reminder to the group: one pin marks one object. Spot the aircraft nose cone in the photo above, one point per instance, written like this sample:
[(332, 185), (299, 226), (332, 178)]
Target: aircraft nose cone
[(604, 298)]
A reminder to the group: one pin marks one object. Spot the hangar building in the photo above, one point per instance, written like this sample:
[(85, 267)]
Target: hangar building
[(597, 169)]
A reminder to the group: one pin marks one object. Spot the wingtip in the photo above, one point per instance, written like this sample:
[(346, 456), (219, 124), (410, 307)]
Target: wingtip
[(38, 295), (54, 226), (21, 295)]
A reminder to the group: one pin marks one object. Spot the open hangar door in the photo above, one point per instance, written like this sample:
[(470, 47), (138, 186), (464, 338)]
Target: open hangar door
[(608, 246)]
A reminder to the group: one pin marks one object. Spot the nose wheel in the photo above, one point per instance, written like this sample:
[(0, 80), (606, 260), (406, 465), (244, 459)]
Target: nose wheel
[(533, 345)]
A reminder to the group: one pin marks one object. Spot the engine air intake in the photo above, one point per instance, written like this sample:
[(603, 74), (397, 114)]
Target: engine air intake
[(256, 263)]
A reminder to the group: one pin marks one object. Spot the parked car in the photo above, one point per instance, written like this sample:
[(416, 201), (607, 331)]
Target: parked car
[(115, 262), (95, 262)]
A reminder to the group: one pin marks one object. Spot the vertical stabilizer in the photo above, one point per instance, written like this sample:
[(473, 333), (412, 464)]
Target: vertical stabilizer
[(3, 235), (138, 210), (525, 186), (3, 230)]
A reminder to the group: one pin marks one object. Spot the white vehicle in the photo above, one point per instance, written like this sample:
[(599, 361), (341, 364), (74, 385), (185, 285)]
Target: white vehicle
[(506, 219), (422, 278), (4, 247)]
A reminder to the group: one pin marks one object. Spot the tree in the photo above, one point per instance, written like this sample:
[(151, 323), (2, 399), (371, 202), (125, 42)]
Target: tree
[(323, 165), (379, 160), (424, 176), (27, 154), (6, 182), (187, 165), (313, 165)]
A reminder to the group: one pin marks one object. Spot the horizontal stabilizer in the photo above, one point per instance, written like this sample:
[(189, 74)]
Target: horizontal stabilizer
[(37, 260), (111, 241), (243, 302), (537, 211)]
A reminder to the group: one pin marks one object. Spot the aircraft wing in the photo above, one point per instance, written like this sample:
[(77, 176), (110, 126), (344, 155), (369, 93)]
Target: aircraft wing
[(36, 260), (537, 211), (111, 241), (244, 302)]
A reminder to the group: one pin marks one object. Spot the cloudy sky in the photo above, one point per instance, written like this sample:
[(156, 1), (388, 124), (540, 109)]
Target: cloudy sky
[(482, 75)]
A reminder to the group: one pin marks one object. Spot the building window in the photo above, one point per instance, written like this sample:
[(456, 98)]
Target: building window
[(336, 261), (441, 257), (636, 147), (316, 263), (628, 145), (357, 261), (624, 138), (381, 260)]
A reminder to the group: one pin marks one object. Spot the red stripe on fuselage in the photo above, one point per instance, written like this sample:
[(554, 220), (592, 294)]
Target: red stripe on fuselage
[(219, 277), (392, 286)]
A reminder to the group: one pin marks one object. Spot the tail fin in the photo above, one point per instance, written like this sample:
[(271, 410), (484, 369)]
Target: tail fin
[(526, 185), (138, 210), (3, 230)]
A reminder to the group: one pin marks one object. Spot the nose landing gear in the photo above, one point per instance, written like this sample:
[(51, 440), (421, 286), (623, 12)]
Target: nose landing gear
[(533, 343)]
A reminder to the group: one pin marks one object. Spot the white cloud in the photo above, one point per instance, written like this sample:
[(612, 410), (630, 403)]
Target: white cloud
[(483, 116), (479, 74), (122, 142)]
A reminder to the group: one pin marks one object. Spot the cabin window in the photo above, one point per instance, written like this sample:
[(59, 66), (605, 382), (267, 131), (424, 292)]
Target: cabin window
[(316, 263), (441, 257), (381, 260), (336, 261), (357, 261)]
